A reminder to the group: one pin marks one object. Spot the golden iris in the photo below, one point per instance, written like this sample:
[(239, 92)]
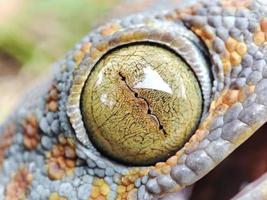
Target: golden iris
[(141, 103)]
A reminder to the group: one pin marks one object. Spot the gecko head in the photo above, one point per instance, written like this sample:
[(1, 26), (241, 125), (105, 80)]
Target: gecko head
[(141, 103)]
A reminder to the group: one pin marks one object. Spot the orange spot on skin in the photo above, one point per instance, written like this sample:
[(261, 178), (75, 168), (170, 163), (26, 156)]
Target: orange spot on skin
[(193, 143), (160, 164), (236, 3), (31, 132), (172, 161), (95, 53), (110, 29), (231, 44), (166, 169), (102, 46), (17, 188), (245, 92), (52, 106), (56, 196), (227, 66), (235, 59), (220, 105), (126, 187), (139, 35), (86, 47), (100, 190), (259, 38), (127, 37), (235, 52), (231, 97), (51, 100), (263, 25), (206, 34), (78, 56), (241, 49), (62, 159), (6, 139)]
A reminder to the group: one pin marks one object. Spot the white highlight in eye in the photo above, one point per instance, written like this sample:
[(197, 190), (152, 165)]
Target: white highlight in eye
[(100, 78), (153, 81)]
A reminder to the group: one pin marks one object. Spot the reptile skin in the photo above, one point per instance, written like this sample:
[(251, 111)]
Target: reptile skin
[(44, 149)]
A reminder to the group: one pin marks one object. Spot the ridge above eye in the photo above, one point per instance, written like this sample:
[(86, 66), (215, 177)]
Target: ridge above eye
[(141, 103)]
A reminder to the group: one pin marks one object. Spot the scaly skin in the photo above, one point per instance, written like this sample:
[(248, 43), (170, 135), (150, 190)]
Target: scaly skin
[(45, 152)]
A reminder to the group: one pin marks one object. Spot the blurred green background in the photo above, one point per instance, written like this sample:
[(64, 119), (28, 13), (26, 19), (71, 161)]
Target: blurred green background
[(36, 33)]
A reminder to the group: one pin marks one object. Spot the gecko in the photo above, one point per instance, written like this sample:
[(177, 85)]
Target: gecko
[(143, 107)]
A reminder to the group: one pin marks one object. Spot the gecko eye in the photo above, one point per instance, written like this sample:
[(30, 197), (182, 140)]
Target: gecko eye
[(140, 92), (141, 103)]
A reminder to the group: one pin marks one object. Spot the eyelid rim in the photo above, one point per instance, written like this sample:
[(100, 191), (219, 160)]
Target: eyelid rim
[(174, 36)]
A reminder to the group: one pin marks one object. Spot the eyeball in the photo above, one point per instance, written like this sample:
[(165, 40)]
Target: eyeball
[(141, 103), (140, 93)]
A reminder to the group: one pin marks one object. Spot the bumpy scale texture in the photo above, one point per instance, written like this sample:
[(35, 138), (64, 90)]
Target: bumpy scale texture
[(44, 151)]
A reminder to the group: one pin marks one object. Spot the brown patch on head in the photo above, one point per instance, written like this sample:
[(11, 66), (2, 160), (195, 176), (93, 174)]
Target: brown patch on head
[(19, 184), (56, 196), (31, 132), (61, 160), (110, 29), (227, 99), (260, 36), (100, 190), (6, 141), (263, 24), (79, 54), (52, 98), (235, 51), (205, 33), (231, 97), (86, 47), (236, 3)]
